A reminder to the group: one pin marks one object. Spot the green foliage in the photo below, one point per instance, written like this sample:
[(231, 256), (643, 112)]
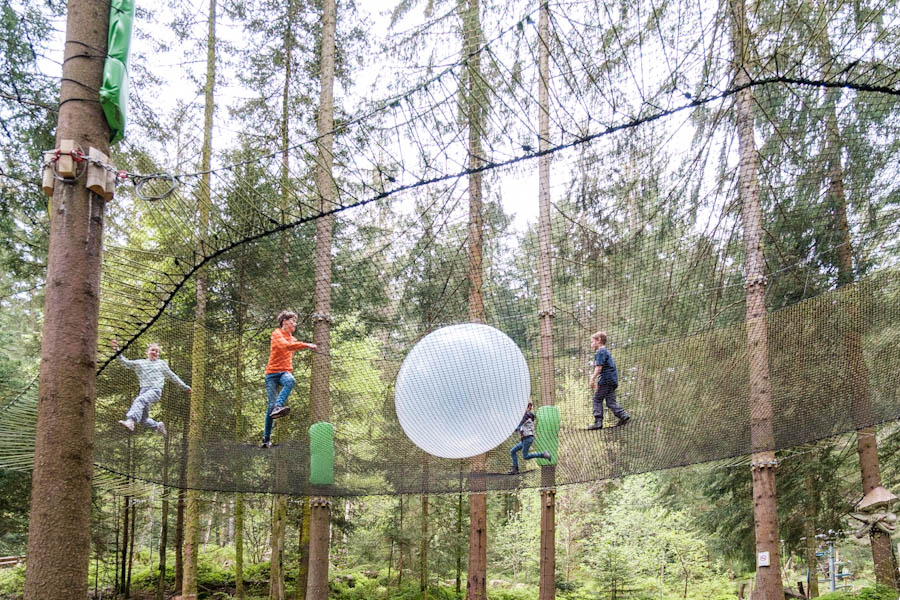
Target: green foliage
[(15, 494), (838, 596), (878, 592), (12, 582)]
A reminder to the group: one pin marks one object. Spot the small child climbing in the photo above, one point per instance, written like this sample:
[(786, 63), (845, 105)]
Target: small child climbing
[(279, 370), (152, 373), (526, 430), (604, 381)]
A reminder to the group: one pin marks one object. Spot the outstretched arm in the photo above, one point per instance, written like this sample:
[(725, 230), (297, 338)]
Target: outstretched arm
[(131, 364), (171, 376), (279, 343)]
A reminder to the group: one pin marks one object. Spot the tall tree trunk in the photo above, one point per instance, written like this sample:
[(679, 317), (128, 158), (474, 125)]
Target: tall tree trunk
[(59, 540), (459, 516), (116, 548), (131, 552), (811, 543), (164, 524), (279, 505), (198, 356), (276, 562), (210, 524), (402, 547), (474, 103), (320, 505), (547, 583), (239, 434), (303, 558), (423, 550), (179, 515), (867, 445), (126, 527), (768, 578)]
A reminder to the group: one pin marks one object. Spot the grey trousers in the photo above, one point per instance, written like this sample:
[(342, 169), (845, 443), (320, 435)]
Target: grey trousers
[(607, 393), (140, 407)]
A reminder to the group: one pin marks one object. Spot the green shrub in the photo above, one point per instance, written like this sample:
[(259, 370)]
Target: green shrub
[(12, 582), (878, 592), (257, 573), (838, 596), (512, 595)]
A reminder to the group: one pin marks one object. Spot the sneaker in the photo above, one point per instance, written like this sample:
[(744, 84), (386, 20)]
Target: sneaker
[(623, 420), (513, 472), (127, 424), (280, 411), (546, 456), (598, 424), (161, 428), (266, 444)]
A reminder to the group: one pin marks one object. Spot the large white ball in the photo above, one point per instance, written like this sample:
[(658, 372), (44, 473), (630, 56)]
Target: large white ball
[(462, 390)]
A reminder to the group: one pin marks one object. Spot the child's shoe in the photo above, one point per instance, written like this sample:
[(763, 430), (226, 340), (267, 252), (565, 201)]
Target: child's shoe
[(623, 420), (127, 424), (161, 428), (280, 411), (598, 424), (546, 456), (513, 471), (266, 444)]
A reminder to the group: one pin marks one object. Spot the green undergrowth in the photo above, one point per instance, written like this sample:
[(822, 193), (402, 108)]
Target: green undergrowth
[(216, 582), (876, 592)]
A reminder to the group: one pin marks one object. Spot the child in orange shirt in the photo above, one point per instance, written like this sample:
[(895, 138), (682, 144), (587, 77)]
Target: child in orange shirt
[(278, 371)]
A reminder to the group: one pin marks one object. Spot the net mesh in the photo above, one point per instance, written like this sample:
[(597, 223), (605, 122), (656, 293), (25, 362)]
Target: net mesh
[(646, 243)]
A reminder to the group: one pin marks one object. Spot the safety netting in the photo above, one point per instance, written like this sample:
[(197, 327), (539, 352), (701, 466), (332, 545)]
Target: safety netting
[(645, 243)]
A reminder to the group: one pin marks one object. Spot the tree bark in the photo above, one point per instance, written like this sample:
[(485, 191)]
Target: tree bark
[(476, 587), (867, 446), (768, 578), (402, 548), (303, 568), (276, 562), (164, 525), (423, 547), (179, 516), (459, 516), (473, 103), (279, 507), (130, 552), (239, 434), (547, 583), (198, 358), (811, 544), (59, 522), (126, 528), (320, 505), (116, 550)]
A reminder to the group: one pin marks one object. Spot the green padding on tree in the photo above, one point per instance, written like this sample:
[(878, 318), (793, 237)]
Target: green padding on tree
[(547, 434), (321, 453), (114, 97), (114, 90)]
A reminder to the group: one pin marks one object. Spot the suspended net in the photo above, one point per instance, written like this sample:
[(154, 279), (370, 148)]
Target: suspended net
[(645, 243)]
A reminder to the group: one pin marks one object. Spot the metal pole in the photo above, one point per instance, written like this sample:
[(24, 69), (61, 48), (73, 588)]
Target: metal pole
[(831, 574)]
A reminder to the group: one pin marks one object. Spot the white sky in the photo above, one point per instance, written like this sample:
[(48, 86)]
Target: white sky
[(519, 191)]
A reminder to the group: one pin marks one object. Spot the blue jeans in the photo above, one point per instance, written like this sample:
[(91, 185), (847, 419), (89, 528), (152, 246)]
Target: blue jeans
[(285, 381), (524, 446)]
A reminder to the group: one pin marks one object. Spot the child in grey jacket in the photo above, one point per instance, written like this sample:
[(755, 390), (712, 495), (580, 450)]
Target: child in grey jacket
[(526, 429), (152, 373)]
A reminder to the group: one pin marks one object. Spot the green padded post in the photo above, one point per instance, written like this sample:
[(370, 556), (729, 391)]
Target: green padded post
[(547, 434), (114, 89), (321, 453)]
